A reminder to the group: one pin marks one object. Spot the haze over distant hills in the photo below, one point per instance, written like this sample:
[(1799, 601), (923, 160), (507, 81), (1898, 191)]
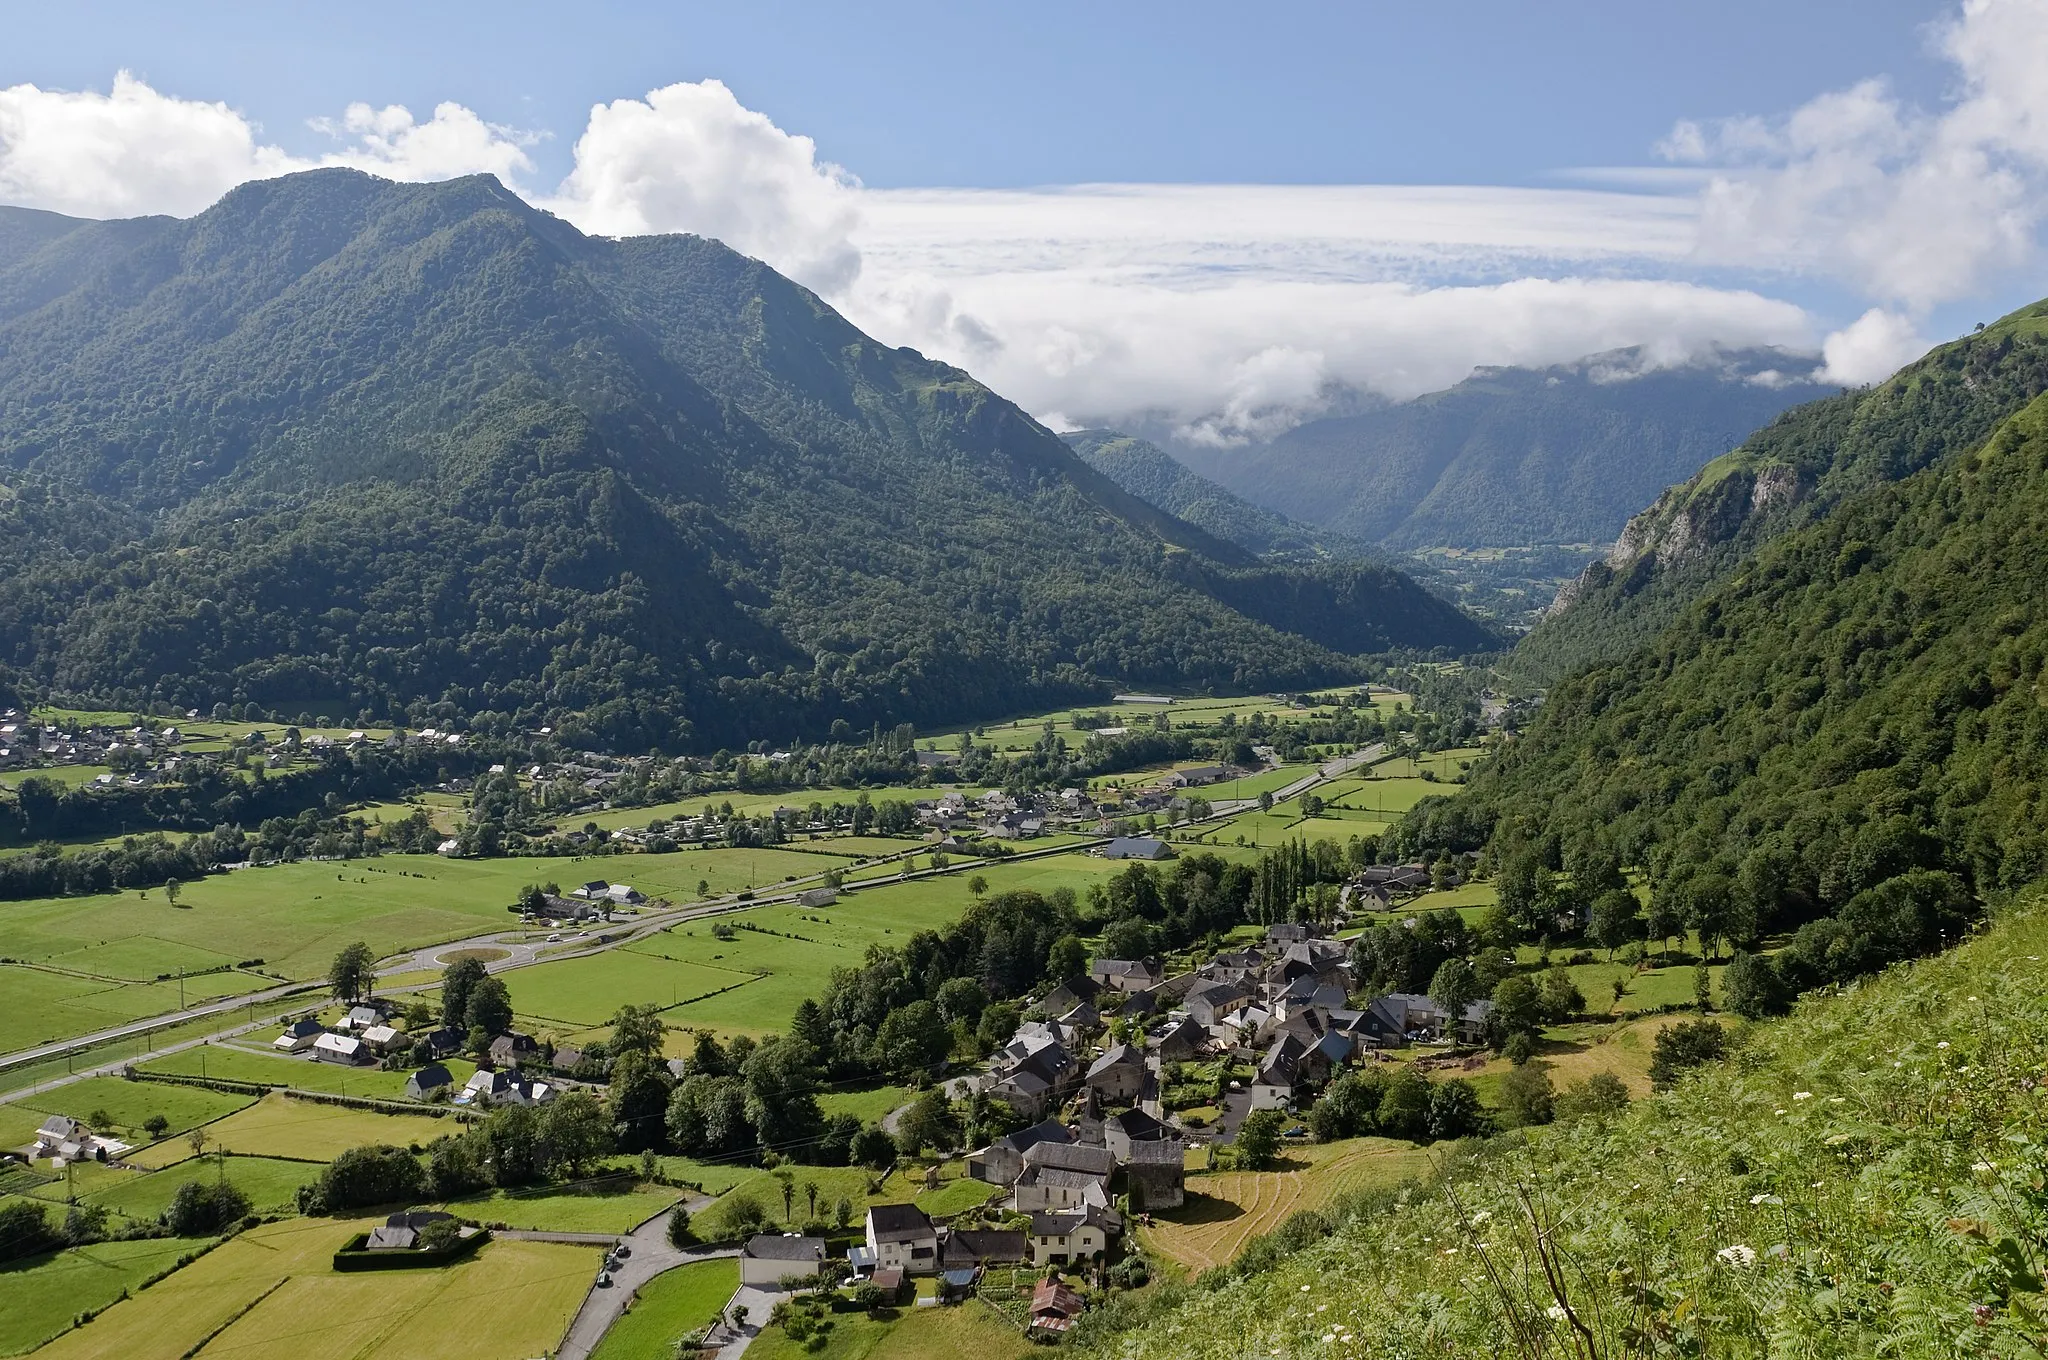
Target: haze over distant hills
[(339, 444), (1513, 457)]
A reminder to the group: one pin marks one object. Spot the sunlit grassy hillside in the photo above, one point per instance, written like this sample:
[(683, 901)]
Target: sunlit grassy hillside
[(1865, 1177)]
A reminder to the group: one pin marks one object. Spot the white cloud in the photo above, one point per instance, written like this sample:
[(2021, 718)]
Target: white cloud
[(1870, 349), (135, 150), (128, 152), (1229, 310), (1232, 357), (692, 158), (453, 142), (1907, 206)]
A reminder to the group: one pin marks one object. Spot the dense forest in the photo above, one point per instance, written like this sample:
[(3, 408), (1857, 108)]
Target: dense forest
[(1515, 456), (420, 451), (1845, 740), (1791, 473)]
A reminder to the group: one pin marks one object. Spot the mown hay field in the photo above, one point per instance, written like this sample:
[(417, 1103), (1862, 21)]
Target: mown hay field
[(1226, 1209)]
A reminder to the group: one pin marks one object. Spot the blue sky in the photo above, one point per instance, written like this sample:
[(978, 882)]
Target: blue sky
[(1504, 92), (1304, 198)]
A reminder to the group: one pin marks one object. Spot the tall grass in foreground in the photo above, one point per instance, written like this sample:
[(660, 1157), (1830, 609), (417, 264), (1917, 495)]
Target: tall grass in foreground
[(1865, 1177)]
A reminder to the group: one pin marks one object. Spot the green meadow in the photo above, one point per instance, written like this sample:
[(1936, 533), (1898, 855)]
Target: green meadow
[(790, 956)]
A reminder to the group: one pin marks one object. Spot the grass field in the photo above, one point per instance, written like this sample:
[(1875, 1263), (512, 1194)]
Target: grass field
[(604, 1207), (278, 1126), (271, 1185), (866, 1105), (1226, 1209), (40, 1295), (577, 994), (45, 1006), (788, 965), (971, 1329), (129, 1102), (667, 1306), (272, 1291), (295, 917)]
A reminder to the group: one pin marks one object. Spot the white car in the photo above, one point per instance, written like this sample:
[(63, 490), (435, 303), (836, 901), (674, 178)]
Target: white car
[(554, 939)]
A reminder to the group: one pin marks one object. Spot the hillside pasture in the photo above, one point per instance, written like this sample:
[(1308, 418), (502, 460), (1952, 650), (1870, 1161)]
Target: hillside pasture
[(614, 1205)]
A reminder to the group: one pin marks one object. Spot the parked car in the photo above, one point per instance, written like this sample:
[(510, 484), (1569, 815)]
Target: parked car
[(604, 1279)]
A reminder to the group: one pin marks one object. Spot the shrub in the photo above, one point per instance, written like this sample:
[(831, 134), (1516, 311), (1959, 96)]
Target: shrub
[(679, 1234), (199, 1209), (1684, 1046), (378, 1174), (1600, 1094), (1527, 1096)]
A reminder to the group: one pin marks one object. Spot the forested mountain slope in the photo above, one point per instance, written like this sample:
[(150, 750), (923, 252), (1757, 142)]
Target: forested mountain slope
[(340, 444), (1863, 1178), (1790, 473), (1838, 741), (1515, 456), (1152, 474)]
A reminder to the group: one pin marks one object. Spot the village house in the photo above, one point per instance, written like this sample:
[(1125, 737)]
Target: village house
[(1074, 1236), (1215, 1007), (339, 1048), (1137, 847), (298, 1036), (900, 1235), (1117, 1075), (1126, 975), (1054, 1309), (1155, 1174), (1180, 1041), (1002, 1161), (422, 1084), (768, 1259), (962, 1249)]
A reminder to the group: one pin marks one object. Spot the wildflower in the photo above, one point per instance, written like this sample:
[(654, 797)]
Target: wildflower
[(1481, 1216), (1304, 1289), (1942, 1044), (1765, 1199), (1835, 1100), (1983, 1313), (1737, 1255), (1556, 1312), (1981, 1166), (1802, 1095), (1779, 1112), (1328, 1337)]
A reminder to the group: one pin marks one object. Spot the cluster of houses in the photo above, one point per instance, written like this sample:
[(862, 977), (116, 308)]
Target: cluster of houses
[(1287, 1002), (148, 755), (514, 1071)]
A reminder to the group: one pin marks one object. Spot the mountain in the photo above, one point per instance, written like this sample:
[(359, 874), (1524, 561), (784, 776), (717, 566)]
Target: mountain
[(1792, 472), (339, 444), (1512, 456), (1153, 475), (1860, 698)]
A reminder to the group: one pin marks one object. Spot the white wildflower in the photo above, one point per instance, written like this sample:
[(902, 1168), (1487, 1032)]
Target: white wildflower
[(1737, 1255), (1304, 1289), (1942, 1044), (1328, 1337), (1556, 1312), (1802, 1095), (1982, 1166), (1481, 1216), (1765, 1199)]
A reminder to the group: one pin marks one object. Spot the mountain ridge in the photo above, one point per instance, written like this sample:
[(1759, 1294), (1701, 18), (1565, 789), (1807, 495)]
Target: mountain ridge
[(423, 450), (1513, 457)]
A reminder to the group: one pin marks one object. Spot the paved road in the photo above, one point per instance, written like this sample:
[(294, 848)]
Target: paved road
[(652, 1256)]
